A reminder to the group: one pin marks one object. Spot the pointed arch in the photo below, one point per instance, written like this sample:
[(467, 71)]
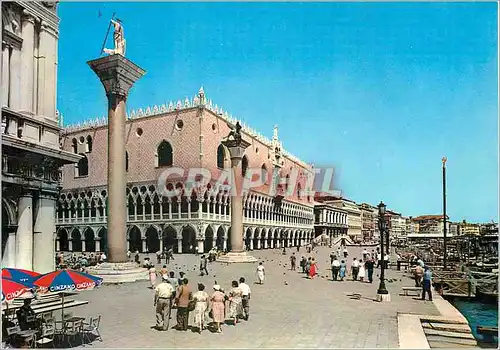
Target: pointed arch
[(76, 238), (221, 156), (170, 240), (82, 168), (165, 154), (244, 165), (89, 237), (134, 238)]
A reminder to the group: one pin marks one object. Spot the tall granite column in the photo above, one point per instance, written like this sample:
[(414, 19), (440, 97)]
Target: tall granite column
[(117, 75), (237, 254)]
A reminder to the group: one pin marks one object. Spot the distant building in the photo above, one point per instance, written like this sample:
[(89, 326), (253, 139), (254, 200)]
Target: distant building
[(330, 220), (369, 221), (454, 229), (31, 154), (397, 225), (353, 213), (465, 228), (411, 226), (489, 229), (430, 226)]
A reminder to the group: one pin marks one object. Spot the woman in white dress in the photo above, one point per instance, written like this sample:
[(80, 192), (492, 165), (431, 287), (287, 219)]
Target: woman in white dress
[(362, 271), (201, 307), (152, 276), (261, 273)]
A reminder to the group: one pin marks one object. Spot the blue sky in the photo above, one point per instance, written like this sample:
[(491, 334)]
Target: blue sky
[(379, 91)]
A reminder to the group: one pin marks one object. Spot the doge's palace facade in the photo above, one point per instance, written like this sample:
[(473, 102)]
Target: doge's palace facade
[(31, 154), (186, 134)]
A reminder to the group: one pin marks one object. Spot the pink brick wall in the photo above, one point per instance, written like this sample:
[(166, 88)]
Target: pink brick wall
[(185, 144)]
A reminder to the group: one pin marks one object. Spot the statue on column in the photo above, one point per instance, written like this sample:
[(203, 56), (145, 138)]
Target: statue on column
[(119, 39), (235, 133)]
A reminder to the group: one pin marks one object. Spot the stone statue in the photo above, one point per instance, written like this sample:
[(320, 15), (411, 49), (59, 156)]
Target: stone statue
[(235, 133), (119, 39)]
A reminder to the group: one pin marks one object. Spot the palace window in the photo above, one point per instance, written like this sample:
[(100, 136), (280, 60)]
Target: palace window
[(126, 161), (74, 145), (244, 166), (264, 174), (88, 146), (82, 168), (165, 157), (299, 191)]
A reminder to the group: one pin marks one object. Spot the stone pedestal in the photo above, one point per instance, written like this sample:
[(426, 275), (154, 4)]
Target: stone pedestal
[(237, 255), (117, 74), (119, 272), (384, 297)]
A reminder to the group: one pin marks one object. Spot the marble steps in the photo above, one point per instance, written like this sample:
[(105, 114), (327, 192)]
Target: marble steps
[(449, 334), (456, 328)]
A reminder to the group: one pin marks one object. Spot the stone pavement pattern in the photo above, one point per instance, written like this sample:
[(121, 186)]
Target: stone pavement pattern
[(303, 313)]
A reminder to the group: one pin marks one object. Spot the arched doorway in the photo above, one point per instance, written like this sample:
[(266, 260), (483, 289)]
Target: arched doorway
[(170, 239), (76, 238), (256, 236), (248, 237), (263, 234), (188, 239), (135, 242), (89, 240), (220, 238), (209, 239), (152, 240), (103, 237), (63, 240)]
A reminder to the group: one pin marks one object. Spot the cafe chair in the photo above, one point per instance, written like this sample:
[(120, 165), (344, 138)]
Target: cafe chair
[(92, 328), (73, 330), (48, 333), (13, 330)]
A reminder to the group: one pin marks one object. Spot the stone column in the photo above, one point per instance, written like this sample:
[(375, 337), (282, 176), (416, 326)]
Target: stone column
[(28, 63), (47, 71), (117, 75), (144, 246), (224, 244), (24, 246), (5, 74), (201, 246), (258, 244), (98, 245), (236, 149), (15, 79), (179, 245), (251, 243), (44, 231)]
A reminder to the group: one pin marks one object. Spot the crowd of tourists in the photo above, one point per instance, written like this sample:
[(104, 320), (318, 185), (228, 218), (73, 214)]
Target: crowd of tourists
[(80, 261), (174, 291)]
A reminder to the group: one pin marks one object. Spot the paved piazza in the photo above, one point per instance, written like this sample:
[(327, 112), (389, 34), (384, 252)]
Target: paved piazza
[(302, 313)]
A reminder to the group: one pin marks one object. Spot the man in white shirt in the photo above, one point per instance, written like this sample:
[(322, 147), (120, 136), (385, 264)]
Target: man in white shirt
[(103, 257), (164, 294), (245, 292), (365, 254), (355, 269), (335, 268), (386, 260)]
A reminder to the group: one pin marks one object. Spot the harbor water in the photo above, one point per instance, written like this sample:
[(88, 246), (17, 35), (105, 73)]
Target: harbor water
[(478, 314)]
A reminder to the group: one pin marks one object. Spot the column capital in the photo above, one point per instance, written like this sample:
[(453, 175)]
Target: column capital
[(117, 74), (29, 18)]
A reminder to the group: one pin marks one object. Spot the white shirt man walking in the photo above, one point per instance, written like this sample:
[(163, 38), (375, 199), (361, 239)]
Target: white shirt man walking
[(164, 294), (245, 292)]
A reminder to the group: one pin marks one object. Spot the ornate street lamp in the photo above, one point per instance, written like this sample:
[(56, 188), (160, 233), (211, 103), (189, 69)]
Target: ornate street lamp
[(382, 293)]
